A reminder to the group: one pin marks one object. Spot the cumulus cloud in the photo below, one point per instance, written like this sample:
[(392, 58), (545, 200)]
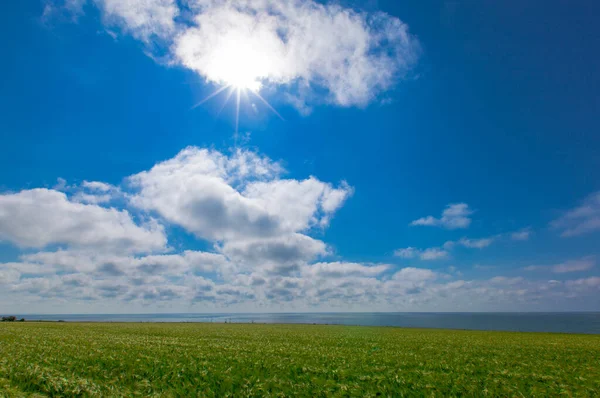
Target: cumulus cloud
[(335, 285), (281, 255), (256, 221), (221, 197), (581, 220), (455, 216), (261, 256), (40, 217)]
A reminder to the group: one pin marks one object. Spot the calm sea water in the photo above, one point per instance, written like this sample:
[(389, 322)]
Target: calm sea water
[(588, 322)]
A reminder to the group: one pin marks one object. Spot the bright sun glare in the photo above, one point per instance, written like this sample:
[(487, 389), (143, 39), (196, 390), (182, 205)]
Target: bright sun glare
[(237, 63), (238, 66)]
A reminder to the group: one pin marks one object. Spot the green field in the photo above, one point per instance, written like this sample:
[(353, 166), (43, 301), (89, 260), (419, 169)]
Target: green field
[(174, 360)]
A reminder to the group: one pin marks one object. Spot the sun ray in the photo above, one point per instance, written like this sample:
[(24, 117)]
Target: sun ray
[(266, 103), (229, 94), (237, 111), (217, 92)]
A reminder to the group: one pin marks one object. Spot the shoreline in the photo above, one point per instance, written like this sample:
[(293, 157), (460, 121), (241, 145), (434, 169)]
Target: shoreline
[(79, 322)]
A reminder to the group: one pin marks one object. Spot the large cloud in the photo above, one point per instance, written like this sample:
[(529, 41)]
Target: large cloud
[(352, 55), (260, 257), (41, 217), (221, 197), (316, 52)]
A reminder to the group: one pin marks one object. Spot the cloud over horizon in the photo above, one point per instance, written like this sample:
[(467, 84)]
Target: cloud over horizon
[(260, 253)]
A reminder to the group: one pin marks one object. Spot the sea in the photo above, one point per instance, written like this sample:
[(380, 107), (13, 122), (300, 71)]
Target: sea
[(563, 322)]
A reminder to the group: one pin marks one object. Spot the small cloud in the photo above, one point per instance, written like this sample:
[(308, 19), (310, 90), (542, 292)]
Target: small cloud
[(581, 220), (96, 192), (433, 253), (469, 243), (60, 9), (455, 216), (476, 243), (61, 184), (409, 252), (522, 235)]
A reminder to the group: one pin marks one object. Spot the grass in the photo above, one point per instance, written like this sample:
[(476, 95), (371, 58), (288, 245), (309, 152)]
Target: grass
[(175, 360)]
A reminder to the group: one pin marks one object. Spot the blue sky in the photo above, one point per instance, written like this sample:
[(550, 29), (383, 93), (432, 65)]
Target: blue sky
[(437, 156)]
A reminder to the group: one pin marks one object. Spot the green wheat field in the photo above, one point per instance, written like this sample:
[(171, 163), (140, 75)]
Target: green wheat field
[(250, 360)]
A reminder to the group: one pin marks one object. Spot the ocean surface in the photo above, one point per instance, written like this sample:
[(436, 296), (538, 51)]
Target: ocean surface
[(580, 322)]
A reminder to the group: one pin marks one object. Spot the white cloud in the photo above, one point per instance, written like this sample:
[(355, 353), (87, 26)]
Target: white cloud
[(41, 217), (144, 19), (582, 219), (433, 253), (221, 197), (280, 255), (455, 216), (95, 192), (438, 253), (126, 282), (476, 243), (100, 259), (409, 252), (579, 265), (592, 282), (352, 55), (414, 275), (343, 269), (521, 235), (58, 8), (94, 262), (313, 52)]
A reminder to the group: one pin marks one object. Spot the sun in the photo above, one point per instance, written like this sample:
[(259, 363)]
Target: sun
[(239, 65), (242, 81)]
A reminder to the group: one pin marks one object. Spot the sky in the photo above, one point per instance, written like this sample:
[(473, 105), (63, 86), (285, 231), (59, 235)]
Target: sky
[(259, 156)]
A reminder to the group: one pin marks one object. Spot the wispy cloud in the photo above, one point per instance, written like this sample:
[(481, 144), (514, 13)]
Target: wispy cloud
[(581, 220), (470, 243), (455, 216), (580, 265), (523, 234), (476, 243), (434, 253)]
